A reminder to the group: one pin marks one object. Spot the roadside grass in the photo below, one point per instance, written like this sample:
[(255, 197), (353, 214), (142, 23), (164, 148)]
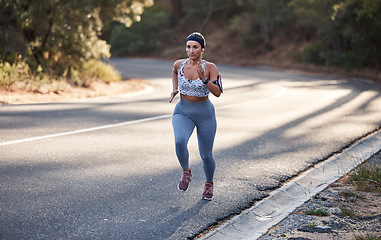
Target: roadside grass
[(367, 237), (19, 76), (351, 195), (312, 225), (317, 212), (348, 212), (367, 177)]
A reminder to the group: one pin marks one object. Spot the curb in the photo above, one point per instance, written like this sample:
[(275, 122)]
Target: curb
[(257, 220)]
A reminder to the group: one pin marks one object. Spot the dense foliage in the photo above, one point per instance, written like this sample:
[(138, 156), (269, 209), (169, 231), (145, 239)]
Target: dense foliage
[(343, 33), (142, 38), (347, 31), (60, 35), (56, 36)]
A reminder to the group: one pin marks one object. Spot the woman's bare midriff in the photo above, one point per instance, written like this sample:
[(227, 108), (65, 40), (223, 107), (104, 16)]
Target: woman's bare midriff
[(193, 98)]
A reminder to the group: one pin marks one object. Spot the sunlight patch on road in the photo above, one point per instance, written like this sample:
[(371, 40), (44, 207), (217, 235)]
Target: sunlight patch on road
[(281, 92)]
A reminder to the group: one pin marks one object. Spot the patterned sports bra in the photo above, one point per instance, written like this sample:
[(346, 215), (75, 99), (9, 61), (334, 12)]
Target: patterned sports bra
[(192, 87)]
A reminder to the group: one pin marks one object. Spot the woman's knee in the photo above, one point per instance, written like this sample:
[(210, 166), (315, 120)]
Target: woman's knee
[(181, 144), (207, 158)]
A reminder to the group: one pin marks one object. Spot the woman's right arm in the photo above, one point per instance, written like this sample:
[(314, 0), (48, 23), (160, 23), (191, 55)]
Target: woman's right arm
[(175, 82)]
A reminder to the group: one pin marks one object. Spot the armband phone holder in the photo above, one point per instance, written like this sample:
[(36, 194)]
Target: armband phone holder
[(218, 82)]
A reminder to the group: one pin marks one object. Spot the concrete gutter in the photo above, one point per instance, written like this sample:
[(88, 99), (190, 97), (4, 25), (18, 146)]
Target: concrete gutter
[(257, 220)]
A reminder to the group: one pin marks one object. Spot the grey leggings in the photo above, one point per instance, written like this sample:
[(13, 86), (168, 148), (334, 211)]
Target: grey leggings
[(186, 116)]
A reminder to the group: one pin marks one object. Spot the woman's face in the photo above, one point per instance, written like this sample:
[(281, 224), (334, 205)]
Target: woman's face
[(193, 49)]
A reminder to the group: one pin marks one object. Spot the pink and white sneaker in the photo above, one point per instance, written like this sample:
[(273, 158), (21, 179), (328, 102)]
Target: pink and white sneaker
[(208, 191), (185, 179)]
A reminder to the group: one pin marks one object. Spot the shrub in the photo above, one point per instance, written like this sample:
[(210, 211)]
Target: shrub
[(251, 39), (97, 70), (314, 53), (18, 76), (10, 74)]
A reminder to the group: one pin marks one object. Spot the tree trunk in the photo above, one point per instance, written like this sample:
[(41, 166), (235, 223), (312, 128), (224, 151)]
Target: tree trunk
[(267, 23), (176, 12), (208, 16)]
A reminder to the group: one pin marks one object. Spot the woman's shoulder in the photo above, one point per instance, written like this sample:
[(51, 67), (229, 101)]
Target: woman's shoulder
[(178, 63), (210, 65)]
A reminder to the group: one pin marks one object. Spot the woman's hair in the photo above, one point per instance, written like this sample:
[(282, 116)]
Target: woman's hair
[(196, 36)]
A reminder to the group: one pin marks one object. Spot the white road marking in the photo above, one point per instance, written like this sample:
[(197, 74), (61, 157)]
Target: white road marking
[(277, 95), (86, 130)]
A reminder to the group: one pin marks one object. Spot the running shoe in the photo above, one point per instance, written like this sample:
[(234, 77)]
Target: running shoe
[(185, 179), (208, 191)]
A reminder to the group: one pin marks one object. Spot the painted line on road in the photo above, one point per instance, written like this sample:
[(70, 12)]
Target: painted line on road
[(86, 130), (277, 95)]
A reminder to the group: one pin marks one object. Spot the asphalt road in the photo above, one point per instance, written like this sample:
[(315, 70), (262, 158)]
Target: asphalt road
[(106, 168)]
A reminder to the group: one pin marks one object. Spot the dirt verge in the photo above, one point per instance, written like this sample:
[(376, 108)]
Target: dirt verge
[(96, 89)]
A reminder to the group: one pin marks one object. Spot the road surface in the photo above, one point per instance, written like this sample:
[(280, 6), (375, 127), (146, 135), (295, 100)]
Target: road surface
[(105, 168)]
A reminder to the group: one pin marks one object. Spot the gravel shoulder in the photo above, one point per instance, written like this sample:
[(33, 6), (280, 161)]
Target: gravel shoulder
[(350, 213)]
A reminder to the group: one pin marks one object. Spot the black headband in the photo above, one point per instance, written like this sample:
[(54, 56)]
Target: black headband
[(197, 39)]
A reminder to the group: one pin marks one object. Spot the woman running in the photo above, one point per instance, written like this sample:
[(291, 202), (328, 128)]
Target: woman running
[(194, 77)]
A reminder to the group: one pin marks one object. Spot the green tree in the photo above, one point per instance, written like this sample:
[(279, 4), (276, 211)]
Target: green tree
[(261, 18), (143, 37), (360, 21), (197, 14), (348, 31), (59, 34)]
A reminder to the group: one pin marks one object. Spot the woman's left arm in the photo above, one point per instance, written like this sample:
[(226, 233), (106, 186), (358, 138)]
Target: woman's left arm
[(211, 72)]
